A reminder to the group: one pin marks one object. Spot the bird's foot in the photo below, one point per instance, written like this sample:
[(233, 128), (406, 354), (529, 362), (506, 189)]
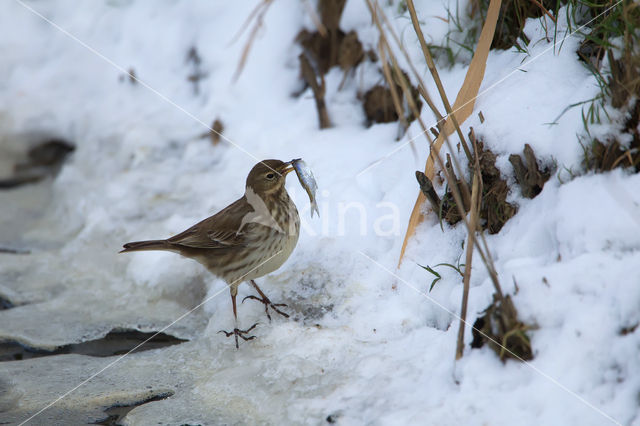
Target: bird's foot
[(267, 303), (240, 333)]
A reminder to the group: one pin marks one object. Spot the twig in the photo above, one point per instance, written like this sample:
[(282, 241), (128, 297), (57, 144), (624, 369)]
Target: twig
[(259, 12), (397, 103), (309, 76), (473, 222), (464, 107), (460, 194), (436, 77), (466, 195), (544, 10), (421, 87), (315, 18), (401, 78), (483, 250)]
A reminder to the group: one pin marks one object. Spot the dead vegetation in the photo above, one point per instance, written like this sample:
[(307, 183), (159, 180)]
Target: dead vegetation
[(329, 46), (316, 82), (477, 199), (477, 194), (462, 196), (494, 210), (255, 20), (512, 18), (130, 76), (615, 36), (378, 105), (528, 174), (216, 131), (325, 48), (385, 103), (610, 48), (499, 327), (194, 61)]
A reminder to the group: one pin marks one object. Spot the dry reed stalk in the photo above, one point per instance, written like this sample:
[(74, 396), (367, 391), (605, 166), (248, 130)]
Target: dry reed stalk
[(377, 11), (544, 10), (315, 18), (474, 200), (462, 196), (384, 44), (436, 77), (481, 245), (459, 196), (404, 84), (476, 190), (463, 107), (397, 103), (318, 89), (461, 193), (258, 13)]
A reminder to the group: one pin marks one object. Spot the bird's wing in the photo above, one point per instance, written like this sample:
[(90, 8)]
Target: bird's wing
[(221, 230)]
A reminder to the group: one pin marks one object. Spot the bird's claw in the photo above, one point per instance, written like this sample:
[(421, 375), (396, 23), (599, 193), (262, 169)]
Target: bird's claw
[(267, 303), (240, 333)]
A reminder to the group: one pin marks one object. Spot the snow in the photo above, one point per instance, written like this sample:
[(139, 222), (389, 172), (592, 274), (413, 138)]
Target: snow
[(367, 343)]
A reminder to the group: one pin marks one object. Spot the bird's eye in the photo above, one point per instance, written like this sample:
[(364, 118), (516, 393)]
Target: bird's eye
[(270, 176)]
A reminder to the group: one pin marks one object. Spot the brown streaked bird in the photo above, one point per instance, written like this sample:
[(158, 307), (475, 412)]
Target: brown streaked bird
[(246, 240)]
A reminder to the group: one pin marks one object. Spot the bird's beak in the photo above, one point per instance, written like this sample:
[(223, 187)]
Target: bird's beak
[(286, 168)]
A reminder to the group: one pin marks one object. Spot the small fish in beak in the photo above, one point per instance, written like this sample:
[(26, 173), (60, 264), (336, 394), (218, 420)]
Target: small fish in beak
[(307, 180)]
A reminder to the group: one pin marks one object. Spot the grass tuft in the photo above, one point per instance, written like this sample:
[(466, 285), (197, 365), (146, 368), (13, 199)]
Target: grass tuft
[(611, 51)]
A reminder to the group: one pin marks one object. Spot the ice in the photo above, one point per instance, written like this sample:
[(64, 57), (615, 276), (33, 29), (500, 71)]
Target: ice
[(367, 343)]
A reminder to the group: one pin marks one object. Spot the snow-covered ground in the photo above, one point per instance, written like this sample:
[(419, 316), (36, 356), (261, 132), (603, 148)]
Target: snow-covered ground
[(367, 344)]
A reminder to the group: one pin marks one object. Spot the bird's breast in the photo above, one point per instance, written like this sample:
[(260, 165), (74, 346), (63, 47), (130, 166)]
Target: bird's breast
[(272, 246)]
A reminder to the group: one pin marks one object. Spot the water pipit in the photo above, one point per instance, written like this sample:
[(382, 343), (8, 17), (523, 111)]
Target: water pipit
[(246, 240)]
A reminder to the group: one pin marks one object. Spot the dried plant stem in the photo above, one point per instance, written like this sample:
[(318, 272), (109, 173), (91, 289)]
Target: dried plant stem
[(481, 245), (315, 18), (463, 106), (404, 85), (470, 87), (473, 223), (377, 11), (460, 192), (544, 10), (436, 77), (397, 103), (258, 13), (318, 89), (254, 12), (457, 189)]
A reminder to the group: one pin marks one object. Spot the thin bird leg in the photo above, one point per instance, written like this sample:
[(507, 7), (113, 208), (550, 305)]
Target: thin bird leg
[(236, 331), (265, 300)]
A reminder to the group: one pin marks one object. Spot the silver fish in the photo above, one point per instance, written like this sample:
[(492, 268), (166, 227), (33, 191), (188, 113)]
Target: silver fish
[(308, 182)]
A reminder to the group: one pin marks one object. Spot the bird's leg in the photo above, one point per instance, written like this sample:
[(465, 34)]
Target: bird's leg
[(236, 331), (266, 302)]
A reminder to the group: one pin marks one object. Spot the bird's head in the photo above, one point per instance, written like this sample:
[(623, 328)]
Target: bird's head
[(268, 176)]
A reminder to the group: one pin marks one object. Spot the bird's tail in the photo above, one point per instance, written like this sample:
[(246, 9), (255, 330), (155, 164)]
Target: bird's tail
[(146, 245)]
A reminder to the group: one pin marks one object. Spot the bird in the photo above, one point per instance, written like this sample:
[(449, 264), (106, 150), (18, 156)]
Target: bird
[(248, 239)]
